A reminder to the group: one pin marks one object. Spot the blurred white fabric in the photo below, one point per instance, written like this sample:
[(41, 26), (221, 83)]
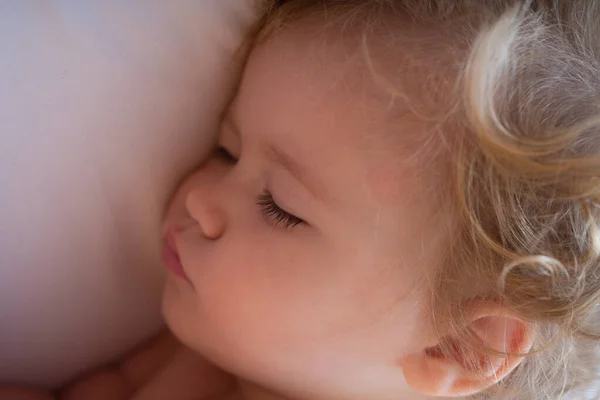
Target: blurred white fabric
[(104, 105)]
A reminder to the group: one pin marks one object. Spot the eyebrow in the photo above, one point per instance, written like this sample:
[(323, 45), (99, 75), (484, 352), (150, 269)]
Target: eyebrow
[(283, 159)]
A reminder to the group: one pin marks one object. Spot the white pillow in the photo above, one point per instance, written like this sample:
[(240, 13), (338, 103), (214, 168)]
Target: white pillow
[(104, 106)]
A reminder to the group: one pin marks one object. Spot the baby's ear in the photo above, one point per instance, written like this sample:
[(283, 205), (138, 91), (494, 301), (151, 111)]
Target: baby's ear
[(472, 370)]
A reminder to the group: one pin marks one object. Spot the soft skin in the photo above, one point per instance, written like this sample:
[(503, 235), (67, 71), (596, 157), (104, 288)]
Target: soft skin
[(301, 251), (329, 306)]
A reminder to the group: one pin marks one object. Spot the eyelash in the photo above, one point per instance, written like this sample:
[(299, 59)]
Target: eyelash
[(269, 208), (276, 214)]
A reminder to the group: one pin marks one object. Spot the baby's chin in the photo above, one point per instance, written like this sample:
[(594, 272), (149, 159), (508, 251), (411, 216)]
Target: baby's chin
[(172, 310), (179, 312)]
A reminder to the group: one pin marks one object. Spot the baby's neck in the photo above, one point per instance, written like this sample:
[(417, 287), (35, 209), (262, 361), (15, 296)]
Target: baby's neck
[(248, 391)]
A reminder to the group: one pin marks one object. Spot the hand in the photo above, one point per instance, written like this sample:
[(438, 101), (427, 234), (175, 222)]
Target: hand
[(122, 380), (19, 393), (186, 376), (158, 370)]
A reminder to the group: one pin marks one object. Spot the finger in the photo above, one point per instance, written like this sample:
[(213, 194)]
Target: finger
[(18, 393), (100, 385), (145, 361), (186, 375)]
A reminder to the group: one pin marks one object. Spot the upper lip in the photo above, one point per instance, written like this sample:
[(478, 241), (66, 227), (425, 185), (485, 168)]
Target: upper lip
[(174, 229), (170, 240)]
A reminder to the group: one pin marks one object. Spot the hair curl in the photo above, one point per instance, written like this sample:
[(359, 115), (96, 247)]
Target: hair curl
[(523, 137)]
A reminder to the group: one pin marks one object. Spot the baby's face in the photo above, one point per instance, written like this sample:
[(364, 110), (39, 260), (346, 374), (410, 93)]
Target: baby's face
[(305, 245)]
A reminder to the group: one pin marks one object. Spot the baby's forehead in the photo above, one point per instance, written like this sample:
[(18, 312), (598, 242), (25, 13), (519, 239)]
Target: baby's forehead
[(389, 80), (400, 69), (331, 99)]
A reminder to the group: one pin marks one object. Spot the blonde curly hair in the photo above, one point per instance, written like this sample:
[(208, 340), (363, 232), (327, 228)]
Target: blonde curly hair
[(521, 130)]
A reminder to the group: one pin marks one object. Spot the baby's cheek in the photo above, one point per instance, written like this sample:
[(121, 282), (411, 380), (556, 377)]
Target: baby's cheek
[(259, 287)]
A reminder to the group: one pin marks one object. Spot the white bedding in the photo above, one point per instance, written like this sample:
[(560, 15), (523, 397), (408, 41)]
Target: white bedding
[(103, 106)]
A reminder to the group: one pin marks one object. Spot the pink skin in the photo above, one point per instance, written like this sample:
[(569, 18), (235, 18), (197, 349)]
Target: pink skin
[(170, 255), (321, 308)]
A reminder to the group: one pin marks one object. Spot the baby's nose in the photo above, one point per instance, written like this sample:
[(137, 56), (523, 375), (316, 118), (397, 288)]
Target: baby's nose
[(203, 206)]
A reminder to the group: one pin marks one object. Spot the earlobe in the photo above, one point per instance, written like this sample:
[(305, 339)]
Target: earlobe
[(430, 372)]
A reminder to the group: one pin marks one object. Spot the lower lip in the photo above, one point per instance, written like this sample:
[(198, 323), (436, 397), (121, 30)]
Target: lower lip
[(171, 259)]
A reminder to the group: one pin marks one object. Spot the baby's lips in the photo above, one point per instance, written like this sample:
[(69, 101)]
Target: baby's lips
[(170, 255)]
